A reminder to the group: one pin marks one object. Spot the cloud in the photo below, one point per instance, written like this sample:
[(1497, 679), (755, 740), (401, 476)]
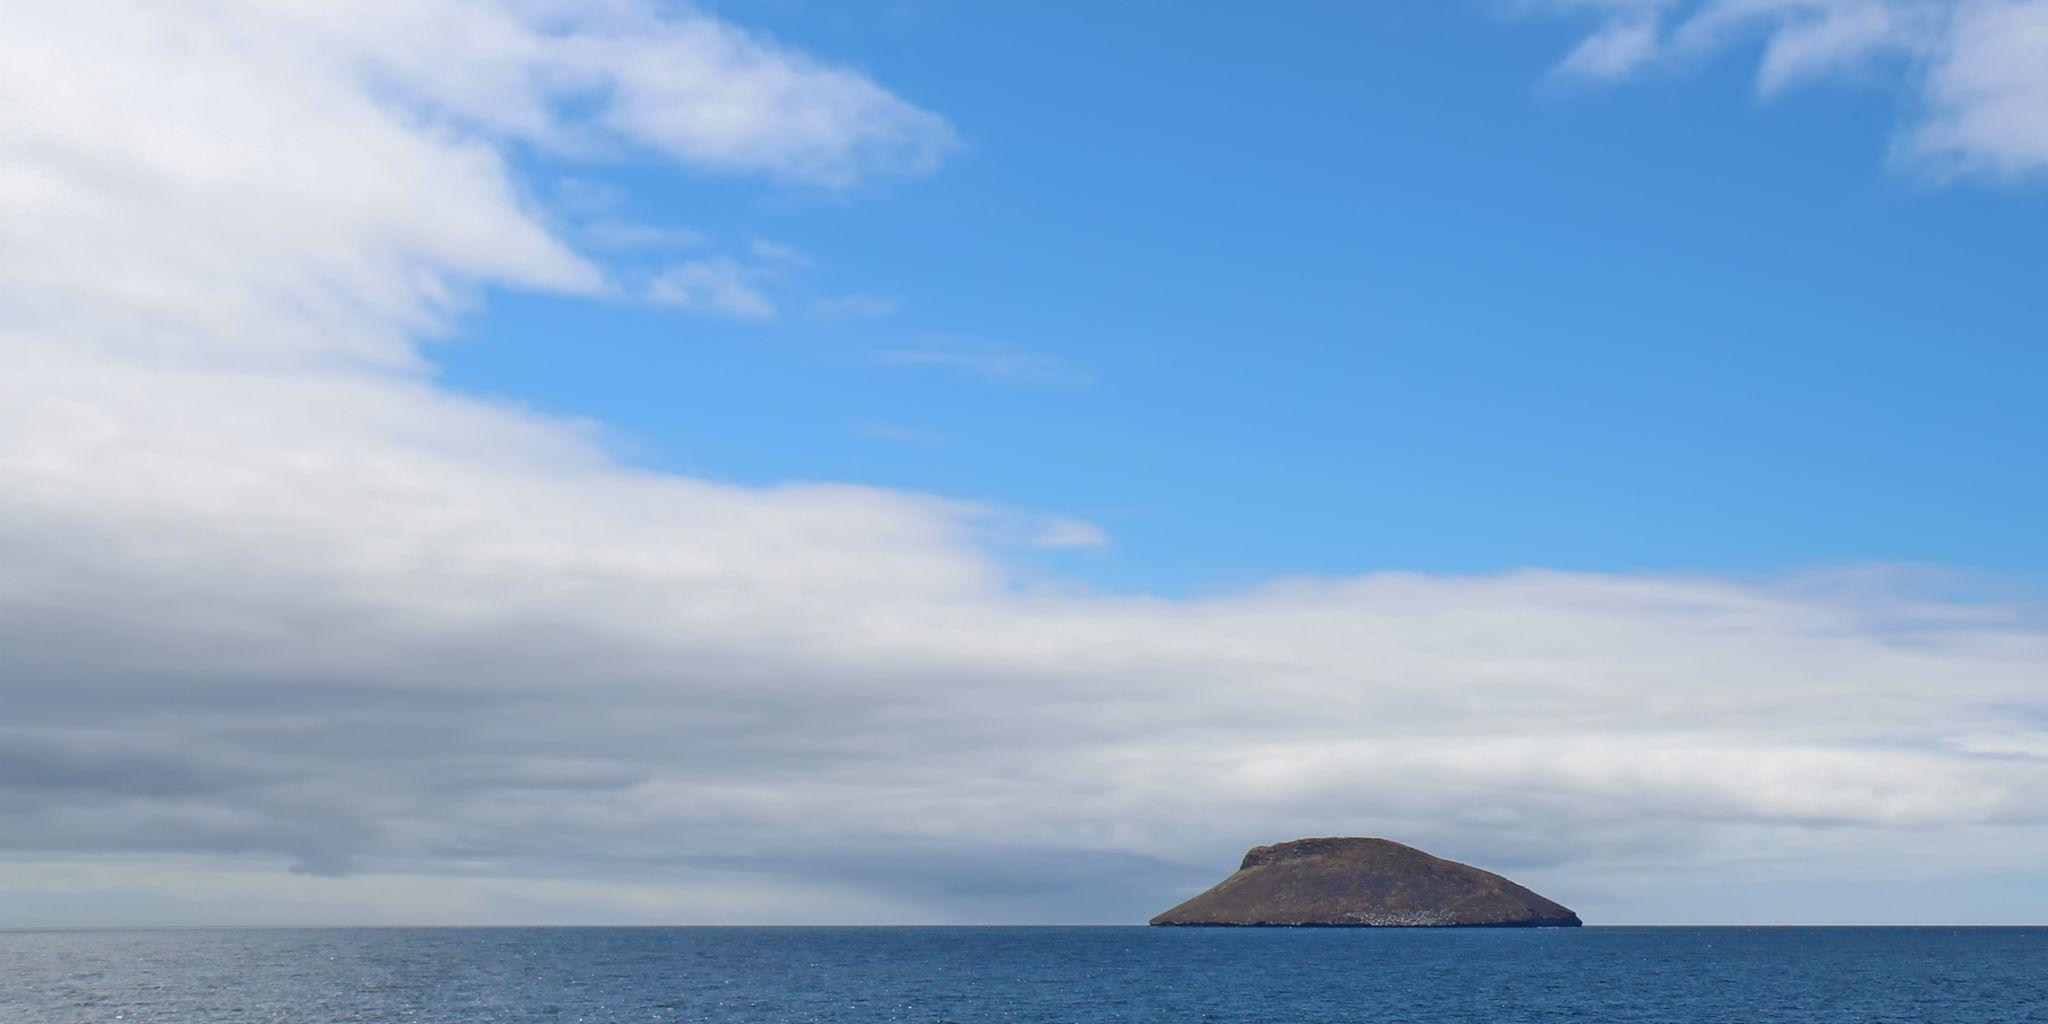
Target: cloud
[(771, 253), (716, 285), (659, 77), (1979, 68), (708, 93), (2028, 744), (1618, 48), (723, 286), (267, 178), (1987, 91), (274, 600), (1063, 534)]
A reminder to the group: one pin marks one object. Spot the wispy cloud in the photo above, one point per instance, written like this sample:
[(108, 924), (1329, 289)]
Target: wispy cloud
[(1067, 534), (1616, 49), (716, 285), (1979, 68), (778, 254)]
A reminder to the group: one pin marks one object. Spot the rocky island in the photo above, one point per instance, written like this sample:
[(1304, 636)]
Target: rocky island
[(1364, 883)]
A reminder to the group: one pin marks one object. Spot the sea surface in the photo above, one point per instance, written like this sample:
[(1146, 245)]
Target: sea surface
[(1667, 975)]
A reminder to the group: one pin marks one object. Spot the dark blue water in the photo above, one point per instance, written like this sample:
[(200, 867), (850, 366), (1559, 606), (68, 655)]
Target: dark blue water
[(1669, 975)]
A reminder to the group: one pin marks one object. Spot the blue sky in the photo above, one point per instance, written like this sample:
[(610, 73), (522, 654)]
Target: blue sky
[(1366, 290)]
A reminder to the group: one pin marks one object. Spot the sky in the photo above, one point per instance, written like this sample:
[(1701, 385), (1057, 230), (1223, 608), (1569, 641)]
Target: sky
[(513, 461)]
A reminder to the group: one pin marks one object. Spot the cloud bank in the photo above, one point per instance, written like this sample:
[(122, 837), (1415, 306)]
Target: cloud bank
[(1978, 68), (288, 632)]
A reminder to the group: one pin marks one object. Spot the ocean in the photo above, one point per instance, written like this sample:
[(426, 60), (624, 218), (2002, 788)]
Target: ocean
[(1581, 975)]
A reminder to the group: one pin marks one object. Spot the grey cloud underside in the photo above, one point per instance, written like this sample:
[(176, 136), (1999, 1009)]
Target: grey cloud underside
[(967, 747)]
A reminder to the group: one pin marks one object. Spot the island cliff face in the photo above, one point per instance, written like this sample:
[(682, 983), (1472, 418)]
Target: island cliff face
[(1364, 883)]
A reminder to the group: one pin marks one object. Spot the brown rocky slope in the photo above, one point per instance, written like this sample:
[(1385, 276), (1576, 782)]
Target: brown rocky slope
[(1364, 883)]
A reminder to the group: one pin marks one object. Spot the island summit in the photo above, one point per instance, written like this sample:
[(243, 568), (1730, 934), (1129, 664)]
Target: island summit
[(1364, 883)]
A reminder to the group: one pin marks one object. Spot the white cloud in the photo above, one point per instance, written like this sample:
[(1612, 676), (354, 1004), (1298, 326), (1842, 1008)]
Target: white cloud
[(716, 285), (1979, 67), (710, 94), (1062, 534), (251, 178), (272, 598), (1988, 92), (1618, 48), (773, 253), (724, 286), (660, 76)]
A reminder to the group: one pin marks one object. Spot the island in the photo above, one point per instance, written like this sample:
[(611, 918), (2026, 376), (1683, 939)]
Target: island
[(1364, 883)]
